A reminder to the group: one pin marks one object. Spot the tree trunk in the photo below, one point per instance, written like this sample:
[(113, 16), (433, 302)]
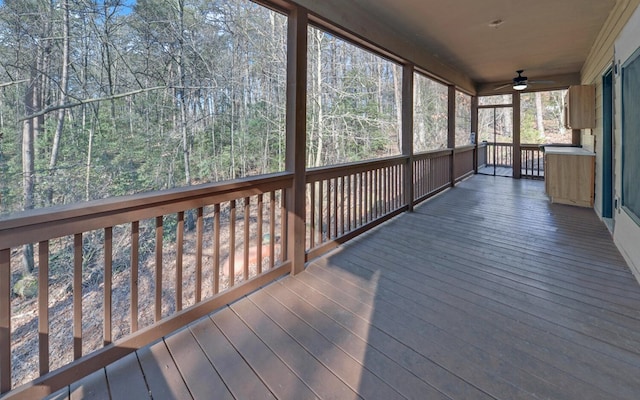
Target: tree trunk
[(320, 124), (64, 84), (539, 114), (397, 92), (29, 127), (183, 100)]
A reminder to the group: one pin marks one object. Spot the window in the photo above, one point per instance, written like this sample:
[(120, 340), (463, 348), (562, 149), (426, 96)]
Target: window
[(353, 102), (463, 119), (429, 114), (631, 136), (541, 118), (496, 100), (178, 106)]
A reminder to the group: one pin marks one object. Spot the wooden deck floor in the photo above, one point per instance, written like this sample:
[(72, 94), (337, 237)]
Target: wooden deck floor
[(485, 292)]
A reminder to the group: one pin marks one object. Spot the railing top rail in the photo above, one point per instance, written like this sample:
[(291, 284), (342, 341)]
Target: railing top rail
[(333, 171), (47, 223), (465, 148), (530, 146), (499, 144), (522, 145), (432, 154)]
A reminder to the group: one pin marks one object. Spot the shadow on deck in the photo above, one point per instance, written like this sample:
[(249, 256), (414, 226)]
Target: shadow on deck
[(473, 295)]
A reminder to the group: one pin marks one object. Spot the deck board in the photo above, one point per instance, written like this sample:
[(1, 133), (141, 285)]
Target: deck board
[(487, 291), (201, 377), (382, 365), (126, 379), (161, 373), (93, 386), (279, 378), (232, 368)]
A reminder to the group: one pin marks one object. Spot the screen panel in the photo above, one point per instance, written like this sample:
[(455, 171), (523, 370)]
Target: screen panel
[(631, 136)]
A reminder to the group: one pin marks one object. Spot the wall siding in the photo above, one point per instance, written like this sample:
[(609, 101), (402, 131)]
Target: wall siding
[(626, 231)]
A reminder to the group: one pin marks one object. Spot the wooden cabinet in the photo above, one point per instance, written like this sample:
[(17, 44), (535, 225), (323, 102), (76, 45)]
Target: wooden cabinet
[(580, 107), (569, 175)]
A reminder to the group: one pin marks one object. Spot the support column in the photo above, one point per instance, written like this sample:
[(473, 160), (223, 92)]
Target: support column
[(407, 132), (474, 129), (296, 137), (451, 131), (517, 167), (576, 136)]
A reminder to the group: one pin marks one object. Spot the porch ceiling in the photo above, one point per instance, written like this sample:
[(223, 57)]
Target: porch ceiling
[(543, 37)]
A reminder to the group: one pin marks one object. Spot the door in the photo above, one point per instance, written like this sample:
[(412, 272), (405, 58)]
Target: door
[(607, 145), (495, 135)]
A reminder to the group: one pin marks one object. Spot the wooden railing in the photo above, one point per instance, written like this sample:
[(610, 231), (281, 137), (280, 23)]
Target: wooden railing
[(431, 173), (500, 154), (482, 154), (532, 161), (343, 201), (464, 161), (217, 229), (175, 256)]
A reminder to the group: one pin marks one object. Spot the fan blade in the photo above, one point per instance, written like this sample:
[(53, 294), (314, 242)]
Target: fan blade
[(503, 86)]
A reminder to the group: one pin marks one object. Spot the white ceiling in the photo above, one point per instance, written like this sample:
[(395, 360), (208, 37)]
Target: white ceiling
[(543, 37)]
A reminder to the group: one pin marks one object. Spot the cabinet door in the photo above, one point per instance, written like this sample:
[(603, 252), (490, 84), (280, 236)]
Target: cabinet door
[(580, 103)]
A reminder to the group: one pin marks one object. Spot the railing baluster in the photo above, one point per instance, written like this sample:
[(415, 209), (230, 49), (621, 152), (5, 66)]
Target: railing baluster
[(259, 241), (349, 194), (179, 253), (362, 200), (367, 194), (387, 192), (335, 207), (247, 212), (77, 296), (342, 205), (158, 293), (5, 320), (216, 248), (199, 240), (320, 212), (375, 199), (135, 259), (328, 223), (283, 226), (272, 228), (232, 243), (108, 266), (43, 306), (312, 215)]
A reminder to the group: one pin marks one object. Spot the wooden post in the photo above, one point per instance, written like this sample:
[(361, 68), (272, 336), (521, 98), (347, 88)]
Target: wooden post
[(296, 136), (5, 320), (576, 136), (407, 132), (451, 132), (474, 129), (517, 167)]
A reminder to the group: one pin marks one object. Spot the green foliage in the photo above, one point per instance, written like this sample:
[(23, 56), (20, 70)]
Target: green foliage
[(210, 83), (529, 133)]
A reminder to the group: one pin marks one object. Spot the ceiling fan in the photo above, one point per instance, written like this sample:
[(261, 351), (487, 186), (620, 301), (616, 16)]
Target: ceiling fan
[(520, 82)]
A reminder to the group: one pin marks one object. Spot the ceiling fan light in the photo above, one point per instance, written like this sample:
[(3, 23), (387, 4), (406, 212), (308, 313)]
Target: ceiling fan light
[(519, 86)]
